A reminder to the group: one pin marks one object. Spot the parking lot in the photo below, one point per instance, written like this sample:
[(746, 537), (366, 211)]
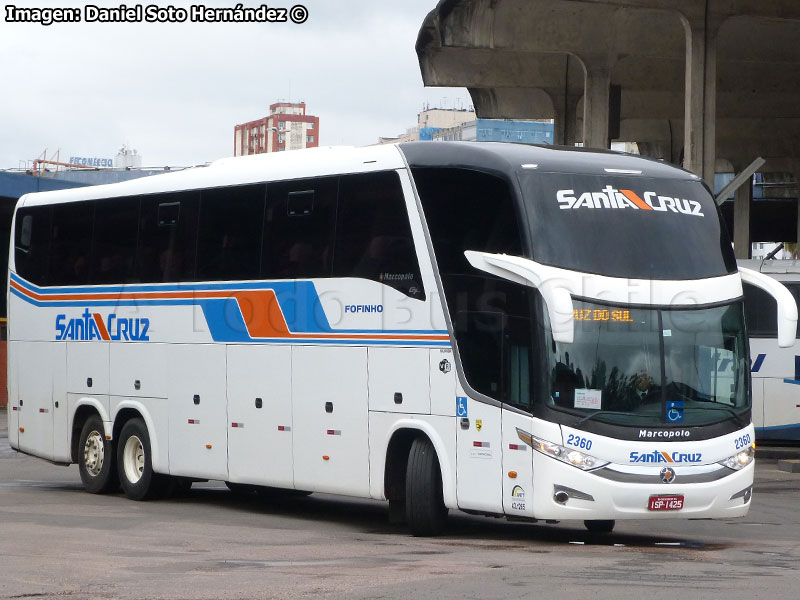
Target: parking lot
[(58, 542)]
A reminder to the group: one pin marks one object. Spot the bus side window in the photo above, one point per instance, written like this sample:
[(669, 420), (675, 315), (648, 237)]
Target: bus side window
[(114, 240), (229, 239), (167, 237), (373, 234), (32, 243), (71, 243), (760, 311), (298, 228)]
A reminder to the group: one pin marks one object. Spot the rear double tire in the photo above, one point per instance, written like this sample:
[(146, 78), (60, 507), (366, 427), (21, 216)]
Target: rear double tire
[(96, 461), (426, 513), (134, 463)]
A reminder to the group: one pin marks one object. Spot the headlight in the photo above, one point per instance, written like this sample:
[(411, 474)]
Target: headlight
[(567, 455), (739, 460)]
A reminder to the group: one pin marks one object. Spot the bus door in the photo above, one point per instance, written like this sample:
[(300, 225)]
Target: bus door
[(479, 459)]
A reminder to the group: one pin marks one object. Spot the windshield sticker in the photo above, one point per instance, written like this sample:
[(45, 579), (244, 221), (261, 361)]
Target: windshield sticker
[(585, 398), (610, 198), (675, 411)]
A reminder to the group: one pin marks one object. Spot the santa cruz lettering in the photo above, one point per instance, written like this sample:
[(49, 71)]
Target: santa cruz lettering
[(665, 457), (91, 326), (610, 198)]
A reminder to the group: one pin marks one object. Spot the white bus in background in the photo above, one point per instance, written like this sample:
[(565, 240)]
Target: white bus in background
[(502, 329), (775, 371)]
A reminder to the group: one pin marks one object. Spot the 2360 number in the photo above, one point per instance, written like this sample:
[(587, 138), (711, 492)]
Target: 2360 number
[(579, 442)]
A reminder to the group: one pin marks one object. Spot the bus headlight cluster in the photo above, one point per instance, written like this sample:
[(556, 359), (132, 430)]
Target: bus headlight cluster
[(739, 460), (567, 455)]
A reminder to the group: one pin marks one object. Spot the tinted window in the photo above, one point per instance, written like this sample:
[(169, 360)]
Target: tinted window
[(492, 317), (229, 239), (373, 234), (71, 244), (467, 210), (114, 242), (299, 228), (167, 237), (636, 227), (32, 243), (761, 310)]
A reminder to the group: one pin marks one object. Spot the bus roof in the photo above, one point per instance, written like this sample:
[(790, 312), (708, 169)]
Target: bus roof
[(506, 158), (492, 157), (312, 162)]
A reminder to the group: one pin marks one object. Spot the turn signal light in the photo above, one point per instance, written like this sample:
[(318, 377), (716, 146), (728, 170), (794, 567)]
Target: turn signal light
[(325, 457), (512, 474), (22, 430), (208, 446)]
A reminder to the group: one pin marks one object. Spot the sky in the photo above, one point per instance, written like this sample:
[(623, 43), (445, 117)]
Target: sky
[(174, 91)]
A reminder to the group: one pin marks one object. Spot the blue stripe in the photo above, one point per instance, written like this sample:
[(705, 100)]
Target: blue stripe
[(792, 381)]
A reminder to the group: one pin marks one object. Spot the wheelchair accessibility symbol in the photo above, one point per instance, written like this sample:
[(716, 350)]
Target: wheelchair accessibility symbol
[(461, 407), (674, 412)]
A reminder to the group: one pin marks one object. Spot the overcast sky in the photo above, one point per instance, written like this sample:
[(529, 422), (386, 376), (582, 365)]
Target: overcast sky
[(175, 91)]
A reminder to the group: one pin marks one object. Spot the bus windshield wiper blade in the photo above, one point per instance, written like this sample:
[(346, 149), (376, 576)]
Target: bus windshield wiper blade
[(720, 406), (607, 412)]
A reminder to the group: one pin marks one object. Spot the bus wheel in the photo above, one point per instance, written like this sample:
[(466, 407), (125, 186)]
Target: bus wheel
[(96, 458), (134, 463), (600, 526), (426, 513)]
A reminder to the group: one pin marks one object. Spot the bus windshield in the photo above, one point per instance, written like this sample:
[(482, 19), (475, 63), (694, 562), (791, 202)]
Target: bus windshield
[(652, 367)]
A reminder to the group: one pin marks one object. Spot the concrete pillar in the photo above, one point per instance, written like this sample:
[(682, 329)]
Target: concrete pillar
[(565, 121), (700, 109), (595, 104), (742, 201)]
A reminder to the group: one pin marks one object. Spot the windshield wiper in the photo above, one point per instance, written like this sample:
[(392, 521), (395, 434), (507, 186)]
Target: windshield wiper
[(608, 412), (720, 406)]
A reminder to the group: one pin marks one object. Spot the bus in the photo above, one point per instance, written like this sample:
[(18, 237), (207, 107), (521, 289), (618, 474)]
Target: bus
[(507, 330), (775, 370)]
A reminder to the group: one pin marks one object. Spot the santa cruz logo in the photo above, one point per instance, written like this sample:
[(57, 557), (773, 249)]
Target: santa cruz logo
[(91, 326), (665, 457), (613, 198)]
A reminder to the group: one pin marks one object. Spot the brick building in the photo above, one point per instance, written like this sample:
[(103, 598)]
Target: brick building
[(287, 127)]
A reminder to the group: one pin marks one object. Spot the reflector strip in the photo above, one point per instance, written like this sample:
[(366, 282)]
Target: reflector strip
[(13, 408), (517, 447), (481, 444), (237, 425), (334, 432), (43, 410), (284, 428), (194, 421)]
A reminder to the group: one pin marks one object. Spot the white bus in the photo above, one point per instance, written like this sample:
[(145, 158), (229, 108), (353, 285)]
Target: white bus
[(502, 329), (775, 370)]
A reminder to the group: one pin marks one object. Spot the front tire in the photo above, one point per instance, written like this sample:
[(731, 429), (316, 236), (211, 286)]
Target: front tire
[(134, 463), (426, 513), (96, 461)]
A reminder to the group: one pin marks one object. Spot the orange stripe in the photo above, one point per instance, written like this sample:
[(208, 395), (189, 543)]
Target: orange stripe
[(101, 326), (667, 456), (631, 195)]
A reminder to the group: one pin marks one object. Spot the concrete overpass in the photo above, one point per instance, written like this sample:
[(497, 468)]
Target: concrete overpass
[(711, 84)]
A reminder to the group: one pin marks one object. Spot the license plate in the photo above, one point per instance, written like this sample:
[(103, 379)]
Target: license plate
[(665, 503)]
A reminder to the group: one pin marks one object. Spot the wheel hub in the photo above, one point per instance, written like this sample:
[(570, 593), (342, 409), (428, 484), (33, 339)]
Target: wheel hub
[(94, 453)]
